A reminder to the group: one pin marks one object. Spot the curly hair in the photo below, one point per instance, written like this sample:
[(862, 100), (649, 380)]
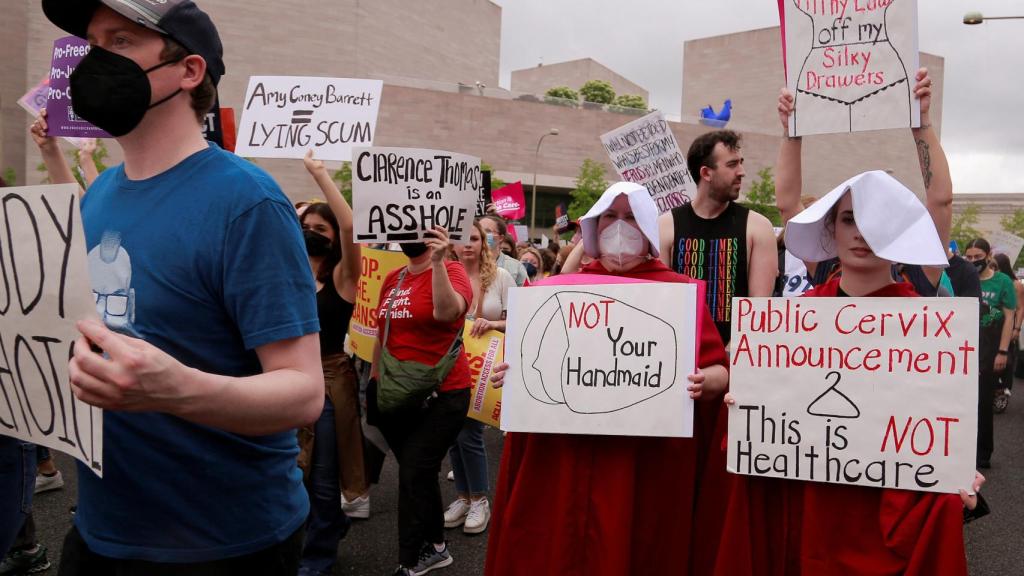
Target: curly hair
[(701, 152)]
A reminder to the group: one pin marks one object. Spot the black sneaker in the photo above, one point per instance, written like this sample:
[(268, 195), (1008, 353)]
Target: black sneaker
[(431, 559), (25, 562)]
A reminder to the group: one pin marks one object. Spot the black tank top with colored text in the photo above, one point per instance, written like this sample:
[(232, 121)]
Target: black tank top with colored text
[(714, 251)]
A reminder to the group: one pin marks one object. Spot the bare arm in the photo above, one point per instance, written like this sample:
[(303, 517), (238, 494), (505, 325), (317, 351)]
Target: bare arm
[(449, 305), (87, 162), (135, 376), (666, 233), (789, 167), (574, 261), (934, 169), (346, 273), (763, 260), (53, 158)]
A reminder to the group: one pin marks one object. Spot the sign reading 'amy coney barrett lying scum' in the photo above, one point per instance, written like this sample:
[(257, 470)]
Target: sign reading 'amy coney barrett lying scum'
[(284, 116), (400, 193), (600, 359), (870, 391), (43, 278)]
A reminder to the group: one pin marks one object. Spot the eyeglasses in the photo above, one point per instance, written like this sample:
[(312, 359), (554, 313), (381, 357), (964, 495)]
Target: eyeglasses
[(113, 304)]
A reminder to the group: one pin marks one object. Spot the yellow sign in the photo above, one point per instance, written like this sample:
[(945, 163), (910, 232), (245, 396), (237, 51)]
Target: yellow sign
[(362, 330), (484, 353)]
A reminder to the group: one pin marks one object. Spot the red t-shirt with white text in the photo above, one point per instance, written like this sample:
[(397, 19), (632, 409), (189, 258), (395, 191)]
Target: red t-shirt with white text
[(415, 335)]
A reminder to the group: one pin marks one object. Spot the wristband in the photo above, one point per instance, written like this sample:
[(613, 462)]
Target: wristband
[(1003, 352)]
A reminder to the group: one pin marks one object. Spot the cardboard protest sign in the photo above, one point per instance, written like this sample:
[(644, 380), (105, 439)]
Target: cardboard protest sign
[(645, 151), (869, 391), (509, 201), (46, 280), (600, 359), (519, 232), (362, 329), (1005, 243), (562, 222), (850, 64), (60, 117), (400, 193), (484, 353), (284, 116)]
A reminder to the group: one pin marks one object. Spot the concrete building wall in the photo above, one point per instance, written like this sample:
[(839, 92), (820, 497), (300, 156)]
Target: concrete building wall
[(992, 208), (573, 74), (14, 81)]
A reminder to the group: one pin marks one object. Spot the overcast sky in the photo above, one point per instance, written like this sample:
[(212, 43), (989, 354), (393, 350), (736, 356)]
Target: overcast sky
[(983, 108)]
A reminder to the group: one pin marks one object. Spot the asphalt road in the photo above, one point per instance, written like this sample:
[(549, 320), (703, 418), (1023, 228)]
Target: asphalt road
[(995, 544)]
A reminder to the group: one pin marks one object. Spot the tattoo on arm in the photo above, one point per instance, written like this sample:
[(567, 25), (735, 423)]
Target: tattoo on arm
[(925, 157)]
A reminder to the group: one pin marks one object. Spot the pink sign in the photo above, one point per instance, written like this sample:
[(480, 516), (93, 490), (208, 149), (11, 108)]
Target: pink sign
[(509, 201), (35, 99)]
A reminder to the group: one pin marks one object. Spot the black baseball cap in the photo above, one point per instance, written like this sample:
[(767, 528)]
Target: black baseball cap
[(180, 20)]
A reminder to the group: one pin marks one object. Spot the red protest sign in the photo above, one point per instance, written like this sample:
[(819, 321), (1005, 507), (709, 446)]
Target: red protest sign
[(509, 201)]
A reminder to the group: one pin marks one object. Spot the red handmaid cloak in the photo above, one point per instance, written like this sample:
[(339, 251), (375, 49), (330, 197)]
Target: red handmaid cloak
[(776, 527), (580, 505)]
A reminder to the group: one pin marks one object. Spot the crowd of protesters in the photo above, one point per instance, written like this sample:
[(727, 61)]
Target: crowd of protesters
[(245, 437)]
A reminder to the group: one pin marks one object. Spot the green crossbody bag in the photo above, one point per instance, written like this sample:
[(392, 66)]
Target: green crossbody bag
[(404, 384)]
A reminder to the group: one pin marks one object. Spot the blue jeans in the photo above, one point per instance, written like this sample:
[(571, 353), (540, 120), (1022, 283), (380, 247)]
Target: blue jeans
[(17, 481), (469, 459), (327, 523)]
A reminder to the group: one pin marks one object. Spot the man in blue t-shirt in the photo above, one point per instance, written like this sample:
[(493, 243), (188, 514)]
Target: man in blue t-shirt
[(207, 356)]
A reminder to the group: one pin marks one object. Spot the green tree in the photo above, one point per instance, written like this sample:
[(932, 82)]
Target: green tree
[(343, 178), (563, 92), (590, 184), (597, 91), (963, 230), (1014, 224), (495, 181), (10, 176), (631, 101), (98, 157), (761, 197)]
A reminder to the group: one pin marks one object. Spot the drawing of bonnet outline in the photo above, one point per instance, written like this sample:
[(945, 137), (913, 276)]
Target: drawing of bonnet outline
[(884, 96), (110, 272)]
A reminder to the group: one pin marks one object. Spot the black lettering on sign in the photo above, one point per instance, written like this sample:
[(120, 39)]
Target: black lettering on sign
[(8, 199)]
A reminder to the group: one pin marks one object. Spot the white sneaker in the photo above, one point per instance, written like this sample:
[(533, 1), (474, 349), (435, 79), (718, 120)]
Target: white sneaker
[(357, 508), (46, 483), (456, 513), (478, 517)]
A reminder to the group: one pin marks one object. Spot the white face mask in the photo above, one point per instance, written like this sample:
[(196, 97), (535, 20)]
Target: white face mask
[(621, 246)]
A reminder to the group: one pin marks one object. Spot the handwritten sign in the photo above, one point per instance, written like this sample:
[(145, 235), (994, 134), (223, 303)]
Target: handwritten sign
[(362, 329), (600, 359), (509, 201), (60, 116), (1005, 243), (869, 391), (45, 290), (484, 353), (850, 64), (645, 151), (400, 193), (284, 116)]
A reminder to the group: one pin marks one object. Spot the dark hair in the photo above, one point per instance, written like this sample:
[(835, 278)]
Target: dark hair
[(548, 257), (980, 244), (204, 96), (323, 210), (1003, 261), (701, 152), (502, 226)]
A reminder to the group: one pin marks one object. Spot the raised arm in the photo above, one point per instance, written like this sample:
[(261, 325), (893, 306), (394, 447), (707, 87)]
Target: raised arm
[(87, 161), (788, 167), (763, 260), (934, 169), (53, 158), (346, 273), (449, 305)]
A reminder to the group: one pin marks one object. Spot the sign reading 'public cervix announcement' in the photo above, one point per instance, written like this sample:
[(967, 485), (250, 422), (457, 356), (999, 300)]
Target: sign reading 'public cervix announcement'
[(645, 151), (44, 291), (400, 193), (870, 391), (851, 64), (284, 116), (600, 359)]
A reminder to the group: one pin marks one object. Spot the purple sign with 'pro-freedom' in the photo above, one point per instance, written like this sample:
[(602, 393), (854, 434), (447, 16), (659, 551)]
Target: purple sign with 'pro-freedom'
[(62, 120)]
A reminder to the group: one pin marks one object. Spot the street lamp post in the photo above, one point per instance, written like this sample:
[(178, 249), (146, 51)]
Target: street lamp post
[(972, 18), (533, 195)]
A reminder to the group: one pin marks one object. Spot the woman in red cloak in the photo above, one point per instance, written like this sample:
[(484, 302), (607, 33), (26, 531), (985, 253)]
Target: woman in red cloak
[(610, 505), (786, 527)]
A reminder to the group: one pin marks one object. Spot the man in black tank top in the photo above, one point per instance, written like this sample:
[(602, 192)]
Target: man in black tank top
[(715, 239)]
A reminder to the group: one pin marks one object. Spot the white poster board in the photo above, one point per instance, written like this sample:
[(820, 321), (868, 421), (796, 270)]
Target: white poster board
[(851, 65), (1006, 243), (645, 151), (46, 289), (284, 116), (606, 359), (400, 193), (870, 391)]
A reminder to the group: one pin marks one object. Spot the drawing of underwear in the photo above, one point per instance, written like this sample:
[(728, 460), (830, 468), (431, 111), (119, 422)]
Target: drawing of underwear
[(851, 67)]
